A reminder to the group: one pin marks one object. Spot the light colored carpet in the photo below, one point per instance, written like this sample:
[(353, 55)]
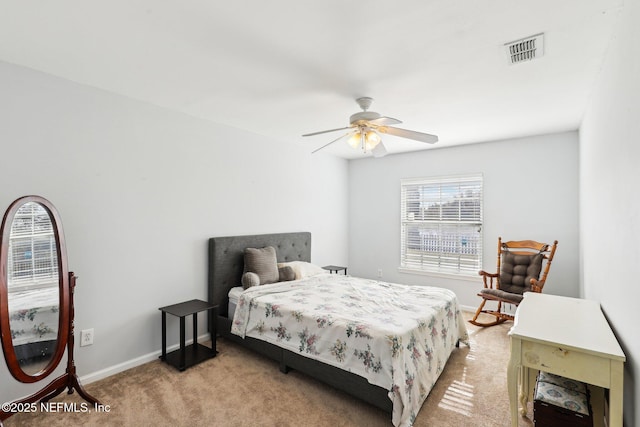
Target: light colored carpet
[(241, 388)]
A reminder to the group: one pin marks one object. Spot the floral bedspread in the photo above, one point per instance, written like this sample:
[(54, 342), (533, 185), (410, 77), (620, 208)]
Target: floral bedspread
[(398, 337), (33, 315)]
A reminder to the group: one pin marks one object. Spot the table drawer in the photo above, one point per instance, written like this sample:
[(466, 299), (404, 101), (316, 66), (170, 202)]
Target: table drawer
[(567, 363)]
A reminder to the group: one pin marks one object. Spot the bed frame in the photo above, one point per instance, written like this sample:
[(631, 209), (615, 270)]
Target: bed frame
[(226, 264)]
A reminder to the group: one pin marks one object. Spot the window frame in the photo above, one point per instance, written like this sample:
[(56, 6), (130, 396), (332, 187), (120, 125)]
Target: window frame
[(443, 263)]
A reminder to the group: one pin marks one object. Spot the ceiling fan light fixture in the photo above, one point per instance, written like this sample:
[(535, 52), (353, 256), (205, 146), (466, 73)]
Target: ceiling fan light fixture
[(366, 140), (355, 140), (371, 140)]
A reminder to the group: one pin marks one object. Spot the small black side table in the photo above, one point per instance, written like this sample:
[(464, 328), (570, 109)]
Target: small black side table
[(195, 353), (335, 268)]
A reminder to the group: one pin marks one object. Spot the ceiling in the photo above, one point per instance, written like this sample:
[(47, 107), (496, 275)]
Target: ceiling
[(284, 68)]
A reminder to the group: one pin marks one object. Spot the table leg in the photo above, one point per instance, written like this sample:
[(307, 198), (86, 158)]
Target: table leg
[(513, 371), (616, 394), (524, 390), (164, 336), (533, 377), (597, 404), (181, 366), (195, 332)]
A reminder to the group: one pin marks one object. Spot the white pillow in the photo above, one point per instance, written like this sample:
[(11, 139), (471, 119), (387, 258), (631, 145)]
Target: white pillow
[(303, 269)]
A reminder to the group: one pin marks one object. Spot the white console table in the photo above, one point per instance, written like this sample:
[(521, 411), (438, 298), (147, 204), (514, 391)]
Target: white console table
[(568, 337)]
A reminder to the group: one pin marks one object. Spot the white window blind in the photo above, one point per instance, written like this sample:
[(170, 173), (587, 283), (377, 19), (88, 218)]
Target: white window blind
[(442, 224), (32, 258)]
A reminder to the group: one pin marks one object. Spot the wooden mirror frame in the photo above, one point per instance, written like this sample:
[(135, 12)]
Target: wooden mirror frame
[(65, 337)]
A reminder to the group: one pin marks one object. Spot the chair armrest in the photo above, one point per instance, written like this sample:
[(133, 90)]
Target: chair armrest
[(484, 273), (488, 279), (536, 286)]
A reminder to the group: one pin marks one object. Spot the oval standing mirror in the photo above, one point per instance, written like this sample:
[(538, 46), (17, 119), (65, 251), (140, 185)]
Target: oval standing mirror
[(36, 301), (34, 291)]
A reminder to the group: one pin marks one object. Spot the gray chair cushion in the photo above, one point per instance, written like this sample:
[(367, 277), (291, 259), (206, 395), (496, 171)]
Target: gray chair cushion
[(263, 262), (497, 294), (516, 271)]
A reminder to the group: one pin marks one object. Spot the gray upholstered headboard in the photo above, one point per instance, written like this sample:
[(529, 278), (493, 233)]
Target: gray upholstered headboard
[(226, 259)]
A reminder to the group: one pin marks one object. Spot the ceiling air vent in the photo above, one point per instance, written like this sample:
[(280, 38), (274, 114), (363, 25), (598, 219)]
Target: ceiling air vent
[(526, 49)]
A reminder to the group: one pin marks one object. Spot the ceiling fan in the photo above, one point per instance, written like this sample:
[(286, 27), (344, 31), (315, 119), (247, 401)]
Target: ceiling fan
[(365, 128)]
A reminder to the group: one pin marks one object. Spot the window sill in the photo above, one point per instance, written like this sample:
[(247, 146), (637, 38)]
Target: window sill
[(452, 276)]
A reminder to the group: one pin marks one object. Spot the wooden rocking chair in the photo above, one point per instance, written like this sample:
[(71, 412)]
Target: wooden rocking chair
[(519, 266)]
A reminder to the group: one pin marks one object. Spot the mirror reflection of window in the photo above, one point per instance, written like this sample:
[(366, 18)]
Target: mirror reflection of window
[(33, 259)]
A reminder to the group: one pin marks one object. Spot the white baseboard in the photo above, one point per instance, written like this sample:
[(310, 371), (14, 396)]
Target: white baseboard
[(120, 367), (473, 309), (468, 308)]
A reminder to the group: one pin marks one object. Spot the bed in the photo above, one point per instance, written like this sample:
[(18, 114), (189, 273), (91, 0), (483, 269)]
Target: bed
[(296, 348)]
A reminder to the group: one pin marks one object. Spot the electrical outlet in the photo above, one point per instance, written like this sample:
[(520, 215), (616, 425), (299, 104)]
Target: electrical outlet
[(379, 273), (86, 337)]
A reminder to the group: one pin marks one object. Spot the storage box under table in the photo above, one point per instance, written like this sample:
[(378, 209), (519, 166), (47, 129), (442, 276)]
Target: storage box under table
[(561, 402)]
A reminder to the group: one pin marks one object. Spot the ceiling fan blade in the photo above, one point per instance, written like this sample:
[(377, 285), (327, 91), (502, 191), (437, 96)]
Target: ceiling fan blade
[(335, 140), (385, 121), (326, 131), (379, 150), (410, 134)]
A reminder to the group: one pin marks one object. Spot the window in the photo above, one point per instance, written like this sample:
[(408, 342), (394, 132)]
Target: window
[(442, 224)]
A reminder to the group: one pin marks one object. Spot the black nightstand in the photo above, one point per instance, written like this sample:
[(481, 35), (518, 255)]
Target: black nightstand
[(187, 356), (335, 268)]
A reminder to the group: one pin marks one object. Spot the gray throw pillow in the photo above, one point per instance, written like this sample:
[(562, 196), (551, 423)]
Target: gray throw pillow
[(286, 273), (250, 279), (263, 262)]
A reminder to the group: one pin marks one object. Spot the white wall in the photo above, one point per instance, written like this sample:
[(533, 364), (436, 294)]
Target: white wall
[(139, 190), (530, 192), (609, 200)]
